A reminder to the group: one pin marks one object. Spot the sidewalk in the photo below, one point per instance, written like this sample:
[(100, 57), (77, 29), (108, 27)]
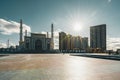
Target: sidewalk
[(98, 55)]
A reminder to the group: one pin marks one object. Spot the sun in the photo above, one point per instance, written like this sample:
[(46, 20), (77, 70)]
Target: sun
[(77, 26)]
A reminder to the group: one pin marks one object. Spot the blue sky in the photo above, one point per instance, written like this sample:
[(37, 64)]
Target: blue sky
[(39, 14)]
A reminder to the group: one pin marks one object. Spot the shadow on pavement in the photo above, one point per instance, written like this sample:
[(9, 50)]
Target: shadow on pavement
[(3, 55)]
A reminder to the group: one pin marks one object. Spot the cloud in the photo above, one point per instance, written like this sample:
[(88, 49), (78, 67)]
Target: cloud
[(3, 45), (113, 43), (109, 1), (10, 27)]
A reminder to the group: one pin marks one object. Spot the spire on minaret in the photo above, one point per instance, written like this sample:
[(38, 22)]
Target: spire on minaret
[(21, 32)]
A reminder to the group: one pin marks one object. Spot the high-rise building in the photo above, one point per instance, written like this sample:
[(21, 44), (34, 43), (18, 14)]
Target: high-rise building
[(98, 37), (77, 42), (62, 41), (69, 42), (85, 43)]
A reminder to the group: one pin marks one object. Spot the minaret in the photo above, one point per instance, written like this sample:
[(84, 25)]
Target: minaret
[(52, 37), (8, 43), (21, 32), (25, 32), (52, 31), (47, 35)]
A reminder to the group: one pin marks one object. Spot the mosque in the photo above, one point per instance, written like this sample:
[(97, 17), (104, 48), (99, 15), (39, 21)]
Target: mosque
[(36, 42)]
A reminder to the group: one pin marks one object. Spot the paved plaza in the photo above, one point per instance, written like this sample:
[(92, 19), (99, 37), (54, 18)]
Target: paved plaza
[(57, 67)]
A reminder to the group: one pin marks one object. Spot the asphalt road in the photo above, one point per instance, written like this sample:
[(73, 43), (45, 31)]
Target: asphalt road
[(57, 67)]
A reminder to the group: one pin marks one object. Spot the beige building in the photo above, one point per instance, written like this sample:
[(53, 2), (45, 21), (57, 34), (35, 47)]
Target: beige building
[(69, 42)]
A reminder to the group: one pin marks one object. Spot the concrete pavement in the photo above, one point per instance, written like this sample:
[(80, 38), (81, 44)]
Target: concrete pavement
[(57, 67)]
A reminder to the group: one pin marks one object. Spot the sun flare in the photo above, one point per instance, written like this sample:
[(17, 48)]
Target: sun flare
[(77, 26)]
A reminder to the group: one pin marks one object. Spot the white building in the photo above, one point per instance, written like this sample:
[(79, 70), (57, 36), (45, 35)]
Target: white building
[(36, 42)]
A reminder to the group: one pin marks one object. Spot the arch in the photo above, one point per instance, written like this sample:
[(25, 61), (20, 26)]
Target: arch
[(38, 45)]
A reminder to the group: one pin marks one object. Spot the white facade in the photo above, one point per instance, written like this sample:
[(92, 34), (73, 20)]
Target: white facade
[(37, 42)]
